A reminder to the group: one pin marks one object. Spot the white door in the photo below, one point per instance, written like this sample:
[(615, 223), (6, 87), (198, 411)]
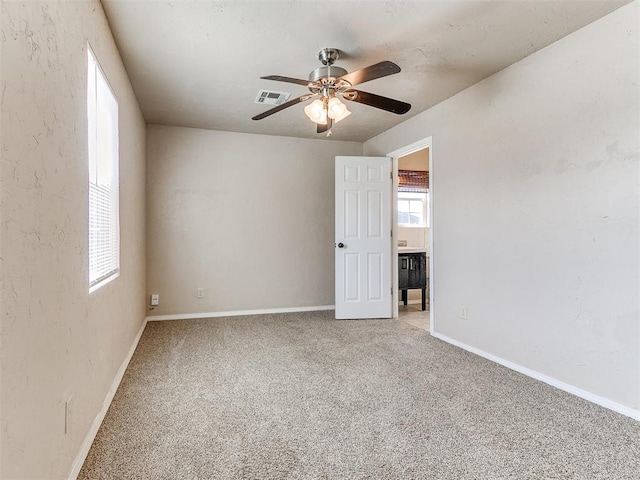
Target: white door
[(363, 237)]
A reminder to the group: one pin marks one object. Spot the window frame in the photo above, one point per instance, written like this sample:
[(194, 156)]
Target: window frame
[(415, 196), (95, 159)]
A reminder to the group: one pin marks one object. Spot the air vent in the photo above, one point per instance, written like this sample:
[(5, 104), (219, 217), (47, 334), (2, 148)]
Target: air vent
[(268, 97)]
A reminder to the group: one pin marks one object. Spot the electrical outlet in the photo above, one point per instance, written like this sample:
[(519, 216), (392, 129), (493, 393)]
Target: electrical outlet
[(464, 314), (155, 300), (67, 414), (200, 292)]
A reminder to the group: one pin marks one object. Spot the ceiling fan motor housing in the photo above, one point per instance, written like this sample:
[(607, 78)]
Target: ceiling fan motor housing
[(326, 72), (326, 80)]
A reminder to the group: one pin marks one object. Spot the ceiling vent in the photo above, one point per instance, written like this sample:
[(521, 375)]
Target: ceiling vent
[(269, 97)]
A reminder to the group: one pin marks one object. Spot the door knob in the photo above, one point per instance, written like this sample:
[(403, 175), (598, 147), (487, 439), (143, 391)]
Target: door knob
[(341, 245)]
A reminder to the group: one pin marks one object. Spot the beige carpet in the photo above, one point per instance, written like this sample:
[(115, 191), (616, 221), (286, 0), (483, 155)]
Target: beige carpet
[(304, 396)]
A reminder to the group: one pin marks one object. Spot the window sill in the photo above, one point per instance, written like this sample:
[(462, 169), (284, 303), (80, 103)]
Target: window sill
[(102, 283)]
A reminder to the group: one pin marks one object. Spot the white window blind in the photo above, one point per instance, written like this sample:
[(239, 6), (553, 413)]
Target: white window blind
[(104, 222)]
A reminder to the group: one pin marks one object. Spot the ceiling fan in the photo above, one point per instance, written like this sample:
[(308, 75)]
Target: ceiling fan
[(328, 83)]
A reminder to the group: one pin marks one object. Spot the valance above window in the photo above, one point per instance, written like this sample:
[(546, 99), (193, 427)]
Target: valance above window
[(413, 181)]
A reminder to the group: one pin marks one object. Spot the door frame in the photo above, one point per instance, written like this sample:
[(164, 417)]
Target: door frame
[(394, 155)]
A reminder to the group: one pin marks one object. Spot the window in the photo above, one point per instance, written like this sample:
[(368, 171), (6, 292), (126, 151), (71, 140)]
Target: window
[(413, 198), (104, 222), (413, 209)]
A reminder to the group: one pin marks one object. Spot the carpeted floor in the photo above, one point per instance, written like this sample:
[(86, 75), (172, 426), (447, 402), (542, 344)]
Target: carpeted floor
[(304, 396)]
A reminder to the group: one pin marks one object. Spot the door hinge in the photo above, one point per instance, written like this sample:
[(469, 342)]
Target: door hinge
[(391, 233), (391, 292), (391, 175)]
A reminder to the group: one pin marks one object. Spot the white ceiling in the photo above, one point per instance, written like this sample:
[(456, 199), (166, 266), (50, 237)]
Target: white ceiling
[(198, 63)]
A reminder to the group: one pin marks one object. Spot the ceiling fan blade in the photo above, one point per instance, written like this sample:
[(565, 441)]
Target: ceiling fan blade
[(371, 72), (280, 78), (323, 128), (378, 101), (284, 105)]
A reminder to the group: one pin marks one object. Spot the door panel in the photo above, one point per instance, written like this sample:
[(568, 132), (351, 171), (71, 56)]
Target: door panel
[(351, 214), (374, 223), (351, 280), (363, 237), (374, 287)]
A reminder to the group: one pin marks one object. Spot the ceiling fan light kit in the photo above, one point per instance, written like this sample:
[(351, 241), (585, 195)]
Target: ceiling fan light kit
[(337, 110), (319, 110), (316, 112), (330, 82)]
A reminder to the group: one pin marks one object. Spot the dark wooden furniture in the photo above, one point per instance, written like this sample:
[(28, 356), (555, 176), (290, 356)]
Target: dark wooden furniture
[(412, 273)]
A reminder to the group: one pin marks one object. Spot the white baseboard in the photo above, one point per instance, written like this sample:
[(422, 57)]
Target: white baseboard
[(236, 313), (93, 431), (603, 402), (411, 302)]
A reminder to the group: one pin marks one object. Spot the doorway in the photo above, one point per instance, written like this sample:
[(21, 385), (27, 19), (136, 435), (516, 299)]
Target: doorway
[(412, 222)]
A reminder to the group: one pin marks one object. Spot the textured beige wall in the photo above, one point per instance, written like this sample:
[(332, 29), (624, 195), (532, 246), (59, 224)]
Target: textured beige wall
[(249, 218), (535, 194), (56, 339)]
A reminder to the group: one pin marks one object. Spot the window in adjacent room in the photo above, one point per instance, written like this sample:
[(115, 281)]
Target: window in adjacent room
[(104, 222), (413, 198), (413, 209)]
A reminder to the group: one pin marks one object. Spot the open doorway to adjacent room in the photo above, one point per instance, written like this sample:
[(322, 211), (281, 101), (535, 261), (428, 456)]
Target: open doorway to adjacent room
[(413, 236)]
